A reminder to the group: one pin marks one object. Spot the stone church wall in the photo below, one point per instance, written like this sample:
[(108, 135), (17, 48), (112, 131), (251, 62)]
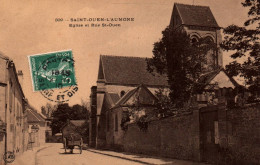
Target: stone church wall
[(239, 130), (175, 137)]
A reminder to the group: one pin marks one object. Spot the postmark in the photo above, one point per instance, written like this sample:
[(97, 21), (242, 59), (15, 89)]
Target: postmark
[(9, 157), (52, 70), (53, 75), (60, 95)]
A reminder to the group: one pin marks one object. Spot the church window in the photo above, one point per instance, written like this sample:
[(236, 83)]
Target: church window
[(194, 40), (211, 61)]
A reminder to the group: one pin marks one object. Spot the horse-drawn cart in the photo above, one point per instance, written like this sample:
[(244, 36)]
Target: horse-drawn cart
[(71, 140), (72, 135)]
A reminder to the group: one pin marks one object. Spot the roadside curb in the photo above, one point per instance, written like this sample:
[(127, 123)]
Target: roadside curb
[(121, 157), (35, 154), (28, 157)]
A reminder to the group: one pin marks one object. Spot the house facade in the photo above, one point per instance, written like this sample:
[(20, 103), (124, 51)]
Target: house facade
[(12, 109), (37, 127)]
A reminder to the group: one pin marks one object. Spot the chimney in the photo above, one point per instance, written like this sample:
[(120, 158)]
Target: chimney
[(20, 77)]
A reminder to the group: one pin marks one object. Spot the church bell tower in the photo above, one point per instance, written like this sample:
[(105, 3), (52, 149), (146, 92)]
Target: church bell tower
[(199, 22)]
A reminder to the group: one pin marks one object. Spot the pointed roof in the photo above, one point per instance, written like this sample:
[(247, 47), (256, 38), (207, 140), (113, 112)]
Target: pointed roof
[(195, 15), (208, 77), (77, 123), (34, 116), (123, 70), (111, 99), (142, 93)]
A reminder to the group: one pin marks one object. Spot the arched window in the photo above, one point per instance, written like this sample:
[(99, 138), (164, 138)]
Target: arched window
[(211, 59), (209, 40), (194, 40)]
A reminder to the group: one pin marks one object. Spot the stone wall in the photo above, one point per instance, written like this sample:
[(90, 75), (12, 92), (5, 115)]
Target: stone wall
[(240, 134), (175, 137)]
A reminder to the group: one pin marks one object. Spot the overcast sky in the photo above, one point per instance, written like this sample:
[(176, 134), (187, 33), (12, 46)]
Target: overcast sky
[(28, 27)]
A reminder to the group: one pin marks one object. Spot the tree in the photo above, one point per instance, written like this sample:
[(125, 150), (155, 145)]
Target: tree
[(64, 112), (182, 61), (80, 112), (48, 109), (244, 42)]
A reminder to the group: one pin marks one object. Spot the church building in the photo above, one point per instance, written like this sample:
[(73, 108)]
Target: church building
[(119, 78)]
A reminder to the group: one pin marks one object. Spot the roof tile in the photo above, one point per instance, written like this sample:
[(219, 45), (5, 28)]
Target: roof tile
[(78, 123), (196, 15), (129, 71), (34, 116)]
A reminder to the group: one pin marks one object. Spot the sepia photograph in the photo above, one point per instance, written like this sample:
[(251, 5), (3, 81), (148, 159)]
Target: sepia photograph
[(130, 82)]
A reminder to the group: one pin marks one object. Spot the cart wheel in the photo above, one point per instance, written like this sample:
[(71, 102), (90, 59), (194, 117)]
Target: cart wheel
[(81, 145), (65, 145)]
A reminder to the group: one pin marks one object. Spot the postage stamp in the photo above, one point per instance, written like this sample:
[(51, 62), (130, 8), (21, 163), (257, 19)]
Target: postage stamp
[(53, 75), (52, 70)]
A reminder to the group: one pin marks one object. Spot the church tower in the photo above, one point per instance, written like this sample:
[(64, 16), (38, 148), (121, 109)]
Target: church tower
[(198, 22)]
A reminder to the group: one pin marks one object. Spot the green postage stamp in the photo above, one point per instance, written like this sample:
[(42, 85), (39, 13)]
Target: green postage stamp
[(52, 70)]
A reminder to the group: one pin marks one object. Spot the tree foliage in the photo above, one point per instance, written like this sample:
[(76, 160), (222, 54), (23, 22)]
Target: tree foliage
[(244, 42), (48, 109), (182, 60), (64, 112)]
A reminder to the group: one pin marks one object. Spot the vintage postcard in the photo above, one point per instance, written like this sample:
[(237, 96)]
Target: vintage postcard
[(129, 82)]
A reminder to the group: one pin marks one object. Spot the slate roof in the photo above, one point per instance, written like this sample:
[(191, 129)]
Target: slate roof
[(34, 116), (77, 123), (123, 70), (206, 78), (141, 88), (125, 97), (196, 15), (112, 98)]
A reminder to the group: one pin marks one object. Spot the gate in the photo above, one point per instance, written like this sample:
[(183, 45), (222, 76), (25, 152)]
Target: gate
[(209, 134)]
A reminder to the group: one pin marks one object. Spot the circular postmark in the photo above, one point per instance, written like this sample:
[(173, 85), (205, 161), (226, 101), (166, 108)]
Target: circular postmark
[(9, 157), (60, 95), (56, 78)]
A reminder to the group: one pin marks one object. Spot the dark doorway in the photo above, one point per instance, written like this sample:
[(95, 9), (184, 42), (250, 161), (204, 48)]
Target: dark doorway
[(209, 135)]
